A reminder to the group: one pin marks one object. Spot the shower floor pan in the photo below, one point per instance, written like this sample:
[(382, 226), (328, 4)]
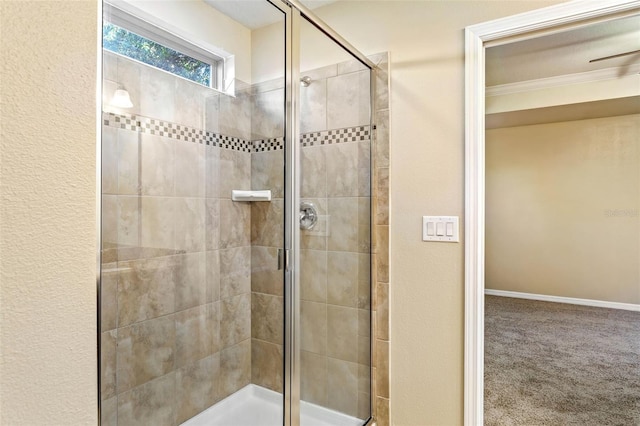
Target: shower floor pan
[(257, 406)]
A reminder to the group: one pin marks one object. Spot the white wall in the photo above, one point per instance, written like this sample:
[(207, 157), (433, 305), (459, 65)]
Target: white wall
[(563, 209), (267, 44)]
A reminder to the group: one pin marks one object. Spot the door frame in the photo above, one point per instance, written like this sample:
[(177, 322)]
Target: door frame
[(478, 37)]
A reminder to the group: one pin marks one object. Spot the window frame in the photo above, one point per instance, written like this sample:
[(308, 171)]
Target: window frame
[(137, 22)]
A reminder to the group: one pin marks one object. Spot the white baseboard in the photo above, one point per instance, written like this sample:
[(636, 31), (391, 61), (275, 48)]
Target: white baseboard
[(560, 299)]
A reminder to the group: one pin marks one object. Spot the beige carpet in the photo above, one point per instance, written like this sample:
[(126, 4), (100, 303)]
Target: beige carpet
[(557, 364)]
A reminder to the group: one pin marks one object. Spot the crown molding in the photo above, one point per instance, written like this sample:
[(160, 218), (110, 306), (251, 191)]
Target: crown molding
[(550, 19), (563, 80)]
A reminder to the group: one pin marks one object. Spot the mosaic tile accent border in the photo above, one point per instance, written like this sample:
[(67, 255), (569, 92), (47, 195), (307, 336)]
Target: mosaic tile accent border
[(273, 144), (312, 139), (189, 134), (175, 131), (125, 122), (329, 137)]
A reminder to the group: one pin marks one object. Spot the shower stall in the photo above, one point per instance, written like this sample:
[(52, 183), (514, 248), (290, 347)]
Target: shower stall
[(236, 227)]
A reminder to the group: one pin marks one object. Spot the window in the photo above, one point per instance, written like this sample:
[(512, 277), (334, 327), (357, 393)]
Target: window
[(147, 41), (127, 43)]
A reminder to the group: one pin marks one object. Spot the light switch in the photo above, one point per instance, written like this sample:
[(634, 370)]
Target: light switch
[(449, 229), (440, 228), (430, 229)]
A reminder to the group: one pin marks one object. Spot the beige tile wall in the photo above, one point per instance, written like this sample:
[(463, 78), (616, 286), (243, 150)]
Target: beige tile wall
[(380, 215), (267, 227), (335, 261), (216, 297), (176, 287)]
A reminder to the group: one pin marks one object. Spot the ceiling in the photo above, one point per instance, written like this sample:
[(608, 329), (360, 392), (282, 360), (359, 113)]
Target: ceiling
[(255, 14), (565, 53)]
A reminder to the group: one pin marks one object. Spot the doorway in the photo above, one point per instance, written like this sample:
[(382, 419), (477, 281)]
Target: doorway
[(478, 38)]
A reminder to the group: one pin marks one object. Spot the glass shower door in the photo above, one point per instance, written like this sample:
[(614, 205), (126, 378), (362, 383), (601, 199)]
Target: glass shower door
[(335, 240), (191, 294), (209, 313)]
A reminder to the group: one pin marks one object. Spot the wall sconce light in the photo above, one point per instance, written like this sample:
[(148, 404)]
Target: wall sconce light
[(121, 99)]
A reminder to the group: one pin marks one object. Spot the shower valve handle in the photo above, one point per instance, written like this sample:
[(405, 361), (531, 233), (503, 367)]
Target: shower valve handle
[(308, 215)]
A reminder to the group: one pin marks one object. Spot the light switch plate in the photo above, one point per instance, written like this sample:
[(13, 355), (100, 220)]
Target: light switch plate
[(450, 224)]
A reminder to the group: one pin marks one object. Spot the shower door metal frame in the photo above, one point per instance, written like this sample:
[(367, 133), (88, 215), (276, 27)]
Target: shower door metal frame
[(291, 376), (295, 12)]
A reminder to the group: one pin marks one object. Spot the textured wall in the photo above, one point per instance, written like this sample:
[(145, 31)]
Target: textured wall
[(48, 366), (563, 209)]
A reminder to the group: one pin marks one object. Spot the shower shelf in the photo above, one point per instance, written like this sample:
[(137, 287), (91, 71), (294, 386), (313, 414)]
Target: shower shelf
[(264, 195)]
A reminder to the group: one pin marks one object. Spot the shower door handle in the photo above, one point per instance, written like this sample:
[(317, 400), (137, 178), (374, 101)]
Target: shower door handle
[(283, 259)]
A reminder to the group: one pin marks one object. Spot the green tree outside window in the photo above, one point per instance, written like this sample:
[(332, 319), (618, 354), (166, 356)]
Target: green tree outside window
[(126, 43)]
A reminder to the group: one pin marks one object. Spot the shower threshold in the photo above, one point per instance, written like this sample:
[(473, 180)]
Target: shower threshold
[(257, 406)]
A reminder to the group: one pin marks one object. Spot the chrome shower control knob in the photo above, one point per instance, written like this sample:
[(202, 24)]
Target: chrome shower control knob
[(308, 215)]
